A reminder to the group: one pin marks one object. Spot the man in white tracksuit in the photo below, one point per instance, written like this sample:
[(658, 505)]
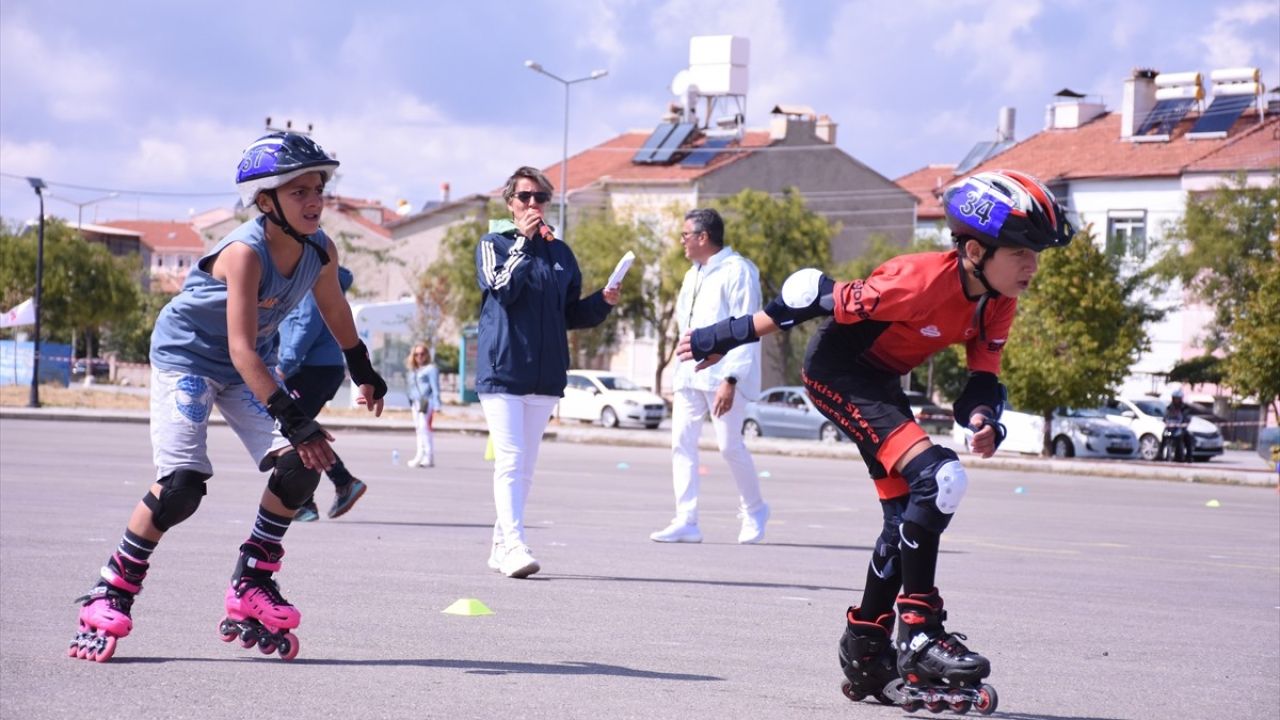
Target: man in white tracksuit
[(720, 284)]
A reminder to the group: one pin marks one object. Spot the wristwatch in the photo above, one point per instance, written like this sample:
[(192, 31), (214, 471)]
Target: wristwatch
[(731, 379)]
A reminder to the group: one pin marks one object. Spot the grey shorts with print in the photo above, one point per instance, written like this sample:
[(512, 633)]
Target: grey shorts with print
[(180, 409)]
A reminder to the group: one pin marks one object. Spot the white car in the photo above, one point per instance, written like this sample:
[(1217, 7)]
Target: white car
[(610, 399), (1145, 416), (1090, 433)]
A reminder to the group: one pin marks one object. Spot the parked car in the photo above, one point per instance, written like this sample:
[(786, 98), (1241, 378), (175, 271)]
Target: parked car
[(1145, 416), (1087, 432), (1024, 433), (787, 412), (935, 419), (610, 399), (100, 368)]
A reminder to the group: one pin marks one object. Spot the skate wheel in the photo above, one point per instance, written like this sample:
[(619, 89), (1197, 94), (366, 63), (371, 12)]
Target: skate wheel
[(912, 705), (227, 630), (107, 650), (987, 700), (846, 687), (248, 642), (960, 707), (266, 647), (71, 651), (288, 647), (935, 707)]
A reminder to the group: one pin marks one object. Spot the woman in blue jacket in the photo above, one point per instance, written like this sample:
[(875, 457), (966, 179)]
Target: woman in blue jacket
[(532, 297)]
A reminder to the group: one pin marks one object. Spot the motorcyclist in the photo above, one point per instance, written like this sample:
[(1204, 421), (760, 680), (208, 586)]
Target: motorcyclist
[(1176, 443)]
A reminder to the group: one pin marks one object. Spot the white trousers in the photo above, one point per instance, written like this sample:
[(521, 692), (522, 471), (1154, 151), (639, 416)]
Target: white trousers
[(689, 407), (425, 436), (516, 423)]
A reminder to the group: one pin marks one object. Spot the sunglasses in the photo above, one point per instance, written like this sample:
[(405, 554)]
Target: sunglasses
[(542, 198)]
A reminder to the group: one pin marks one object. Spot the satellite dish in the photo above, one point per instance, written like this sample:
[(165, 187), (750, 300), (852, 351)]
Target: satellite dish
[(680, 83)]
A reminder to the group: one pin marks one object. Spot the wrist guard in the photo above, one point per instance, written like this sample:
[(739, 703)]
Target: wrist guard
[(722, 337), (999, 427), (293, 424), (806, 294), (361, 370)]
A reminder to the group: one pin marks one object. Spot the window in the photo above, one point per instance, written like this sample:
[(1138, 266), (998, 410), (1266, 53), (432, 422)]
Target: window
[(1127, 234)]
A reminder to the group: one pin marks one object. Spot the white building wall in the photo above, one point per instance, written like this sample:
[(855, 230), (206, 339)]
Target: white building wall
[(1163, 200)]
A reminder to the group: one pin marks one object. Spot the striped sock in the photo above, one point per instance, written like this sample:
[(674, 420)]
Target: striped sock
[(269, 527), (136, 547)]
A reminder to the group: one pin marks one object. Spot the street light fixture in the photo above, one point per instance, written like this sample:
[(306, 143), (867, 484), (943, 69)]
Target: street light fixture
[(34, 400), (80, 206), (564, 156)]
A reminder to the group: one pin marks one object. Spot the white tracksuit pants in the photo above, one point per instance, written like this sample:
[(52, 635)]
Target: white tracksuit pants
[(689, 407), (425, 436), (516, 423)]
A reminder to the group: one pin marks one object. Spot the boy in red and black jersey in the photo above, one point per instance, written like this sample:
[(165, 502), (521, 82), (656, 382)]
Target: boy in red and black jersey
[(879, 328)]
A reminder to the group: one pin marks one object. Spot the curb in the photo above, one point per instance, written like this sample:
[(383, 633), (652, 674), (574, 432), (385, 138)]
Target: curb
[(453, 422)]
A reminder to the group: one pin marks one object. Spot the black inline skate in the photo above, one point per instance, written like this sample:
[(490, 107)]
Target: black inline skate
[(938, 671), (867, 657)]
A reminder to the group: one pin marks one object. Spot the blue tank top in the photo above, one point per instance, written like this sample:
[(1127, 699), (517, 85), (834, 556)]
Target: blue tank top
[(190, 334)]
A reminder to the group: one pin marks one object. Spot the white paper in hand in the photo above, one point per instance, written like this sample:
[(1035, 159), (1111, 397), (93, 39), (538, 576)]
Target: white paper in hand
[(620, 271)]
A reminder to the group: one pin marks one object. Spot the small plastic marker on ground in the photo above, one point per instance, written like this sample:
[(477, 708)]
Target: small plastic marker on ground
[(765, 474), (623, 466), (1019, 490), (467, 606), (704, 470), (1213, 503)]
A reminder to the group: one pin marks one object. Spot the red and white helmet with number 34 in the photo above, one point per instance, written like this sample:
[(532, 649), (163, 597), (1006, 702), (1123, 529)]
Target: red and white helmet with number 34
[(1006, 208)]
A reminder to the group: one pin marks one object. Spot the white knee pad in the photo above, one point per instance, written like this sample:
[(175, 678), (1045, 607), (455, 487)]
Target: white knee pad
[(952, 484)]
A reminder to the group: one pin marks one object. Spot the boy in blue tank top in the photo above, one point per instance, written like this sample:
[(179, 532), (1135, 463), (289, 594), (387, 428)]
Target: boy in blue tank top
[(213, 346)]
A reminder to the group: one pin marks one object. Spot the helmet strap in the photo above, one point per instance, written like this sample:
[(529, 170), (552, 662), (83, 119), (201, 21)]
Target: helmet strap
[(276, 215), (979, 315)]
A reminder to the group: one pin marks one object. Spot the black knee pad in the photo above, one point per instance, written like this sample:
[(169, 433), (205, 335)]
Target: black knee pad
[(938, 483), (180, 494), (293, 482)]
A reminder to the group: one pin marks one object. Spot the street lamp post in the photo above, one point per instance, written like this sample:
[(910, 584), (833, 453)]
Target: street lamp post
[(564, 156), (80, 206), (34, 401)]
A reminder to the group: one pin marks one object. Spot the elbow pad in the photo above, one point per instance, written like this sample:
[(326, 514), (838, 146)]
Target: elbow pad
[(361, 370), (722, 337), (807, 294)]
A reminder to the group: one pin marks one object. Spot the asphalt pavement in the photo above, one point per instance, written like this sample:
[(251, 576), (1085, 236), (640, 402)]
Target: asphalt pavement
[(1096, 598)]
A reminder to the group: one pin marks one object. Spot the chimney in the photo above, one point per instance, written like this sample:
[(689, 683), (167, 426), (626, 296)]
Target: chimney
[(793, 123), (1071, 111), (826, 129), (1004, 130), (444, 192), (1139, 98)]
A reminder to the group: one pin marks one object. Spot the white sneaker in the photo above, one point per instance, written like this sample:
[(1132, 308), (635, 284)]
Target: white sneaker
[(415, 462), (495, 558), (518, 562), (429, 462), (677, 532), (753, 526)]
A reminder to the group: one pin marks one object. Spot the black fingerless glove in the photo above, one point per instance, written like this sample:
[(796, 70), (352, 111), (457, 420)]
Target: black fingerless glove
[(362, 372), (294, 424), (722, 337)]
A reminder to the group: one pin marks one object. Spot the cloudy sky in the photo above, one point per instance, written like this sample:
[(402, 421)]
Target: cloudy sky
[(156, 100)]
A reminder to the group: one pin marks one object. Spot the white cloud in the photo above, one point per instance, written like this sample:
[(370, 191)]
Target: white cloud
[(1229, 44), (77, 84), (994, 47)]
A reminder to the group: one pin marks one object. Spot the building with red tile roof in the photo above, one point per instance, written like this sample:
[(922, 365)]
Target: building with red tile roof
[(1130, 187)]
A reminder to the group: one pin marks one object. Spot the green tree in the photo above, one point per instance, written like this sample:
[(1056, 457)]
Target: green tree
[(1253, 368), (130, 337), (780, 235), (454, 271), (1079, 329), (84, 288), (599, 239), (1221, 249)]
